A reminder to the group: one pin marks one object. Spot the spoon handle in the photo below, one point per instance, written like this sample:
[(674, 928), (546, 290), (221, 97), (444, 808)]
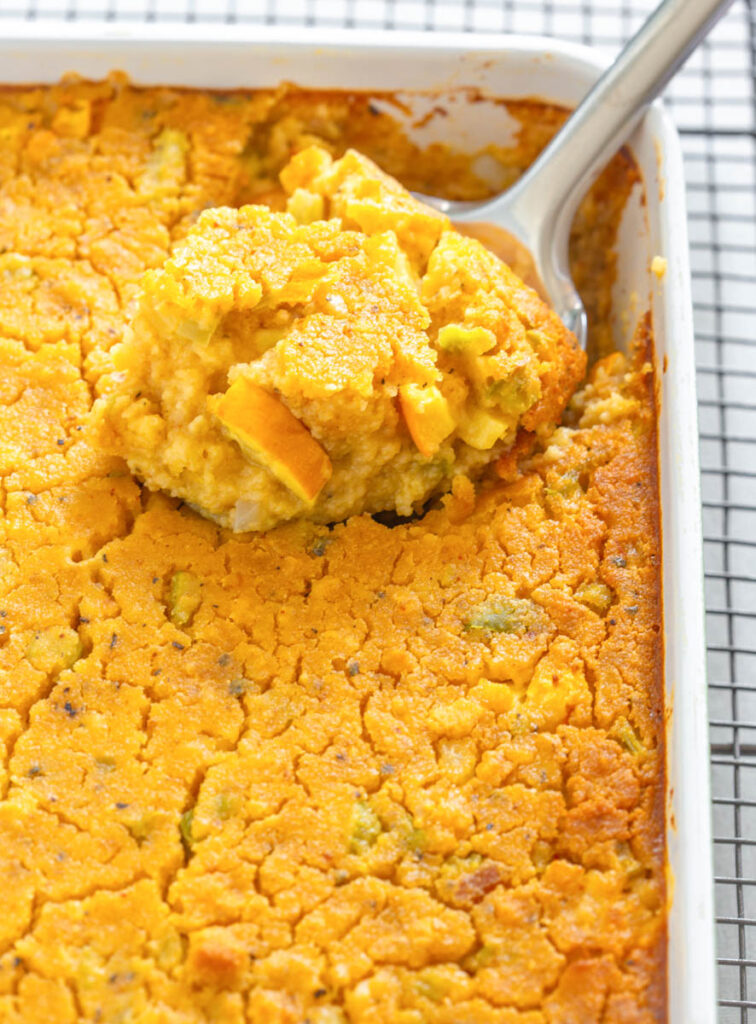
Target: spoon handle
[(551, 189)]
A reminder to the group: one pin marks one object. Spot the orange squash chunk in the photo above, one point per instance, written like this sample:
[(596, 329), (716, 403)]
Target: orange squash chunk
[(269, 433), (427, 415)]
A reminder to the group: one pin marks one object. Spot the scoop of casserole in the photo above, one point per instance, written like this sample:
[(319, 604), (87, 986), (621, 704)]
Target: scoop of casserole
[(352, 354)]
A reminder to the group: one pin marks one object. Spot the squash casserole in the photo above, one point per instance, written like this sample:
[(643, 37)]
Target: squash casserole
[(362, 773)]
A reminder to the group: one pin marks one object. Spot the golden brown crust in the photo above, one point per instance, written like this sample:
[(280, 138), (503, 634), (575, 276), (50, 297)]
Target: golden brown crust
[(353, 775)]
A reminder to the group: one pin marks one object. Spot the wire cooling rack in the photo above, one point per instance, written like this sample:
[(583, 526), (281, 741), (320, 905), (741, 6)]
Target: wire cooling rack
[(714, 104)]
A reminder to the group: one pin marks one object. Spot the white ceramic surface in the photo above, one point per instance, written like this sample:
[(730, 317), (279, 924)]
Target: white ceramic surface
[(250, 57)]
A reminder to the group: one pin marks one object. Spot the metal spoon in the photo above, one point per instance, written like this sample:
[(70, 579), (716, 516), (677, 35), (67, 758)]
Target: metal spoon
[(538, 209)]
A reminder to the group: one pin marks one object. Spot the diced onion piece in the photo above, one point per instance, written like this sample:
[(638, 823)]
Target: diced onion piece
[(306, 206), (248, 515), (481, 429), (197, 333)]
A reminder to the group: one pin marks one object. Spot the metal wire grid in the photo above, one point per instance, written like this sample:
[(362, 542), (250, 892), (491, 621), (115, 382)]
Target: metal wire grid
[(714, 105), (721, 171)]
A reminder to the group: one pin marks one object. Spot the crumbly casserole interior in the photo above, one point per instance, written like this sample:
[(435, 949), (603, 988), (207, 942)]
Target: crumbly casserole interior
[(352, 354), (346, 775)]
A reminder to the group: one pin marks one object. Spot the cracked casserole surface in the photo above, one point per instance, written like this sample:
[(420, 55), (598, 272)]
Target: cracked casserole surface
[(345, 776)]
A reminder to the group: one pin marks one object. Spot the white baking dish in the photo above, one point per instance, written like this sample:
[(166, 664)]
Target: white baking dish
[(237, 56)]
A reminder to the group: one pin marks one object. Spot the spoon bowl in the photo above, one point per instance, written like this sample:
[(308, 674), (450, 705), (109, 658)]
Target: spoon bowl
[(531, 221)]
